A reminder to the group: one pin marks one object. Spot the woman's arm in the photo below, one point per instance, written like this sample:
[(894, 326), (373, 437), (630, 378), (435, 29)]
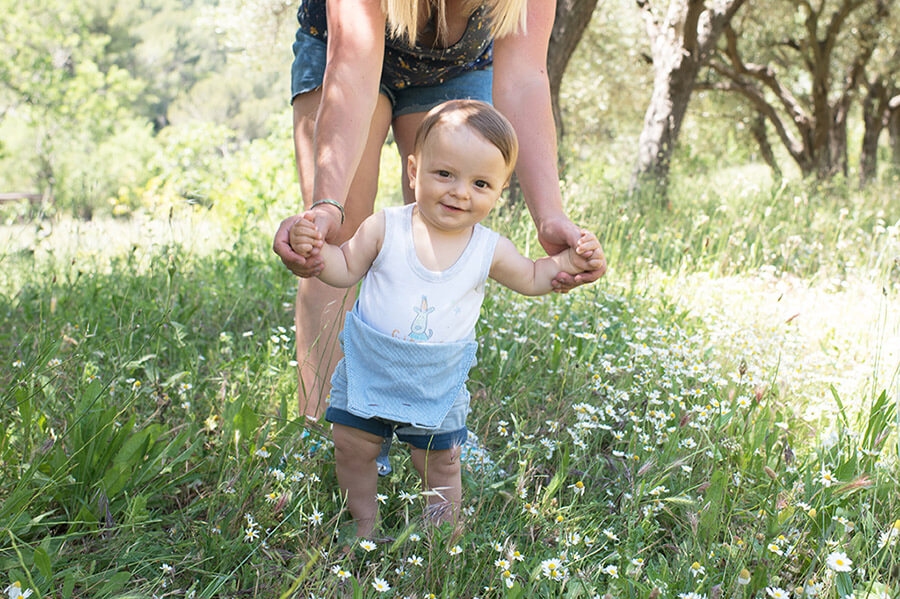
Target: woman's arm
[(522, 93), (349, 96)]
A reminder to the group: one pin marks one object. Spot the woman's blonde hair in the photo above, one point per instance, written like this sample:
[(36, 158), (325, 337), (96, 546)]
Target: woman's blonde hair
[(482, 118), (506, 16)]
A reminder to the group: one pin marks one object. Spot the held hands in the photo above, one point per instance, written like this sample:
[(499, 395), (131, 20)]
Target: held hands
[(327, 222), (559, 234), (305, 237), (587, 255)]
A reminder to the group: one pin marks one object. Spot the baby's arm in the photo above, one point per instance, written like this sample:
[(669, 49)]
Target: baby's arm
[(532, 277), (345, 265)]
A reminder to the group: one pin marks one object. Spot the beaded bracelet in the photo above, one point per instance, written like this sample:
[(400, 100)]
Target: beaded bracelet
[(330, 203)]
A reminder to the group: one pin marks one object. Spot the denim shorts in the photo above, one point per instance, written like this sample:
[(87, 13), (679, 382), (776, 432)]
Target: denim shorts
[(308, 70), (451, 433)]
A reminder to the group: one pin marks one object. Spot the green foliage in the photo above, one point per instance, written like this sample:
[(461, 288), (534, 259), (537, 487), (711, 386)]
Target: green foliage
[(149, 426)]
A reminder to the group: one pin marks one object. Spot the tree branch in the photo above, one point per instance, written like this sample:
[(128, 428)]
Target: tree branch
[(694, 10), (758, 101)]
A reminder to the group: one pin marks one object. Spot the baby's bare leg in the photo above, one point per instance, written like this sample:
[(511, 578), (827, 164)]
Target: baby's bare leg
[(440, 472), (355, 452)]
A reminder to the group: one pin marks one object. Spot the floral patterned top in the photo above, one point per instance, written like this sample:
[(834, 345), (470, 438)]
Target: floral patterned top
[(406, 66)]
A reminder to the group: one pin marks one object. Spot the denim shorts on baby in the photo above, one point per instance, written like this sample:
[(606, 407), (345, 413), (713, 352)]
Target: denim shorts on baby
[(308, 70), (451, 433)]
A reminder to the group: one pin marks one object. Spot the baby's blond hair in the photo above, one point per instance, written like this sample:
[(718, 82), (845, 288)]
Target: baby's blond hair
[(506, 16), (482, 118)]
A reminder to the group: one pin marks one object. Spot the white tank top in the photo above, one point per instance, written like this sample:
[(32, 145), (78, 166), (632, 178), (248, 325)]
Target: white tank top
[(402, 298)]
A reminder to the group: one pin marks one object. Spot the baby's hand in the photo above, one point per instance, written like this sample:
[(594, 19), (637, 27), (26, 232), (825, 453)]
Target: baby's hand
[(306, 240), (587, 255)]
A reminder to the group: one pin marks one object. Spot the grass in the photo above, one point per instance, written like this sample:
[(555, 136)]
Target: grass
[(667, 432)]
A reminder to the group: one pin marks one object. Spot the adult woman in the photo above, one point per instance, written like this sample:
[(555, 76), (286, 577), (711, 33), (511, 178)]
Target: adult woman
[(372, 80)]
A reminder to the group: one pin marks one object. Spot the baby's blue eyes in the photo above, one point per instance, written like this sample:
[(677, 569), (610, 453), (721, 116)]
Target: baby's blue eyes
[(443, 173), (481, 184)]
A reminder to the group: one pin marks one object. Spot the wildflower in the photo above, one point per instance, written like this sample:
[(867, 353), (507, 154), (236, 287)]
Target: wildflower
[(697, 570), (812, 589), (455, 550), (277, 474), (553, 569), (637, 562), (578, 488), (774, 548), (381, 585), (777, 593), (743, 577), (691, 595), (410, 497), (415, 538), (315, 517), (611, 570), (414, 560), (381, 497), (251, 533), (827, 478), (367, 545), (272, 497), (502, 564), (610, 535), (18, 364), (509, 579), (15, 591), (497, 546), (838, 561), (848, 525), (167, 569), (262, 452), (57, 362), (340, 572), (516, 556)]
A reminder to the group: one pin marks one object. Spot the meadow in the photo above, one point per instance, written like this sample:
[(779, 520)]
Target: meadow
[(715, 419)]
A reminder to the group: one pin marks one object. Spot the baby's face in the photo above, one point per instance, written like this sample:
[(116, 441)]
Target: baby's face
[(457, 177)]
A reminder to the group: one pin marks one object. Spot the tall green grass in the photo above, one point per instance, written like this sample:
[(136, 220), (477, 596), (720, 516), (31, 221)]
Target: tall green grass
[(151, 447)]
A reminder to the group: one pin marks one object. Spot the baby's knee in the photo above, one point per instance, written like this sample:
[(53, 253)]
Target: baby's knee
[(440, 464), (354, 444)]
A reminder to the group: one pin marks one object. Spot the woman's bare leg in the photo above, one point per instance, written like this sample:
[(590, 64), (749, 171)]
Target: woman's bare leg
[(319, 309), (405, 127)]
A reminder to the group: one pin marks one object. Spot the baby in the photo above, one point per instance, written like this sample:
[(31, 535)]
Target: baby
[(410, 339)]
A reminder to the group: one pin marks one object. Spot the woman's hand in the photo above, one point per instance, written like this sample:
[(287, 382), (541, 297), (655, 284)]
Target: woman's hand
[(297, 264), (558, 234), (328, 222)]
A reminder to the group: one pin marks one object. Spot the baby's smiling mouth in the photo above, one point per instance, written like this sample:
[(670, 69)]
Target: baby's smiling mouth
[(451, 207)]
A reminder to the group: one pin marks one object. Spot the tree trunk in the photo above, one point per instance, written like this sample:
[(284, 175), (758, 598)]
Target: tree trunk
[(682, 41), (874, 107), (758, 130), (672, 90), (572, 19), (893, 126)]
